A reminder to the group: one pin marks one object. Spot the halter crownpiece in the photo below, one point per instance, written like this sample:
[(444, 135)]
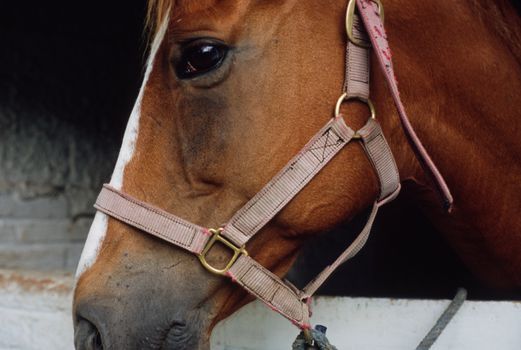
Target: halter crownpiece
[(272, 198)]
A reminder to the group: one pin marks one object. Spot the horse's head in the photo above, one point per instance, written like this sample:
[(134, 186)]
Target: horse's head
[(232, 91)]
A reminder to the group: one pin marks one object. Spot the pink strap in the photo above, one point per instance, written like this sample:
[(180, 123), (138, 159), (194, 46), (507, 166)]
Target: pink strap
[(381, 157), (357, 69), (152, 220), (350, 252), (270, 289), (370, 14)]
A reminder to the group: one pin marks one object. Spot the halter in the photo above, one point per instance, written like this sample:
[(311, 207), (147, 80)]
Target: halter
[(259, 210)]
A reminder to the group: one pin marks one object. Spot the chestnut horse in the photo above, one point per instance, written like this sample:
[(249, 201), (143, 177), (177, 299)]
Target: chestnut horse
[(234, 88)]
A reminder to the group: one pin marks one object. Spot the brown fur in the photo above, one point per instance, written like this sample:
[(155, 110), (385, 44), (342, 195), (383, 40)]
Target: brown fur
[(206, 147)]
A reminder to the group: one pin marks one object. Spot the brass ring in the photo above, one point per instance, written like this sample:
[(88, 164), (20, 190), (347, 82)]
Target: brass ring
[(343, 98)]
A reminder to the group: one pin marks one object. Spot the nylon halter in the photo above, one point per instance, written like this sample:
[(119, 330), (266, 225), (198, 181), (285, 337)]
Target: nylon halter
[(259, 210)]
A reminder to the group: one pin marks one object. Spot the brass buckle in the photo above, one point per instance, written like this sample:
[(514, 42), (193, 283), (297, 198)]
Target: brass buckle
[(350, 18), (216, 237)]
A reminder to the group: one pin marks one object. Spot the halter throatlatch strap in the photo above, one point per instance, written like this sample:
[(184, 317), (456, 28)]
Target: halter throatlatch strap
[(258, 211)]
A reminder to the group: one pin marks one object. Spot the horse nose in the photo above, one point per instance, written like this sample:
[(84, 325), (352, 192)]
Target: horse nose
[(87, 336), (109, 323)]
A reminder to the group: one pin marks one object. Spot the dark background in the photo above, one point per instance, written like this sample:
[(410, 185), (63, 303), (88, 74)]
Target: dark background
[(81, 63)]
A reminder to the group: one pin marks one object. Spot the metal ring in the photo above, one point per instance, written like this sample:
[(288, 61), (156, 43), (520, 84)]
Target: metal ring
[(343, 98), (350, 18)]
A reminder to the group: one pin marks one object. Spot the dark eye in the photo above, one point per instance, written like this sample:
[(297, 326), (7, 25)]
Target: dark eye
[(197, 59)]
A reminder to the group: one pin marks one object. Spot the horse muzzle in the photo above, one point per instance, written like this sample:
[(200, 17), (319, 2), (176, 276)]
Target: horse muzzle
[(144, 305), (101, 327)]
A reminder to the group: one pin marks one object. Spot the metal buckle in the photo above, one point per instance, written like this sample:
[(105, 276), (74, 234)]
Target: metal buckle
[(350, 18), (216, 237)]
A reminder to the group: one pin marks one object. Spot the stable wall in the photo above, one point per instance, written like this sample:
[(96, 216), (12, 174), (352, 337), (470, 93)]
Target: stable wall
[(68, 76)]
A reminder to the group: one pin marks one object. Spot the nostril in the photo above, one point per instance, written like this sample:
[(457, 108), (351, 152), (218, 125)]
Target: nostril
[(87, 336), (94, 341)]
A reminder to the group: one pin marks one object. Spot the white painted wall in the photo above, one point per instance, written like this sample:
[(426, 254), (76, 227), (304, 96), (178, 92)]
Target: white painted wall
[(378, 324), (35, 311), (35, 314)]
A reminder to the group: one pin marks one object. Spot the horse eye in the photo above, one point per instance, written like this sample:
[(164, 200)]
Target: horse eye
[(199, 59)]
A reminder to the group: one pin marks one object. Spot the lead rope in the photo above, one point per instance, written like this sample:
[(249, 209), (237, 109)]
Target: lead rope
[(320, 342), (371, 12), (443, 320)]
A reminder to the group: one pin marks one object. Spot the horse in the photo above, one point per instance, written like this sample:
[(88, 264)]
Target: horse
[(233, 89)]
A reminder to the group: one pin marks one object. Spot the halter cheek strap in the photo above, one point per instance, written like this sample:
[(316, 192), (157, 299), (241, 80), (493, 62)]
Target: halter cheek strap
[(243, 269)]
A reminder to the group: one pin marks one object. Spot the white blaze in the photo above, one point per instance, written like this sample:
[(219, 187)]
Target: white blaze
[(98, 228)]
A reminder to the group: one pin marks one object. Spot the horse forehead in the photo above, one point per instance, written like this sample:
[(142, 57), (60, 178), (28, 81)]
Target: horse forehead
[(186, 9)]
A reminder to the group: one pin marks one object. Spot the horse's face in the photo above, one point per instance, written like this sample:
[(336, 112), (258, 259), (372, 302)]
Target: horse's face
[(234, 90)]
